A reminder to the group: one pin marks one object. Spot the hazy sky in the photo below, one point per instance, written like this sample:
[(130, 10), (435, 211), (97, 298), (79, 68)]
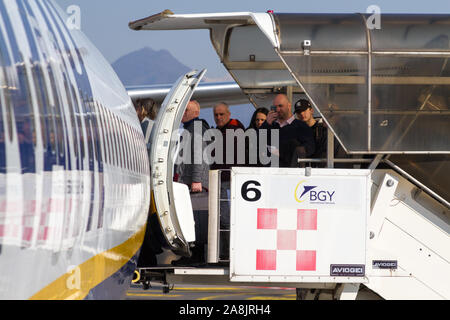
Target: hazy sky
[(105, 22)]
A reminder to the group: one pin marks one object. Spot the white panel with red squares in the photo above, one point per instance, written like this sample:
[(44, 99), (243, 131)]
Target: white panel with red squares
[(277, 238), (287, 239)]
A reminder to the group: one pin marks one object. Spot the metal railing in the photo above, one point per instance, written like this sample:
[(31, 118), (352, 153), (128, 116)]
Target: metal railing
[(219, 210)]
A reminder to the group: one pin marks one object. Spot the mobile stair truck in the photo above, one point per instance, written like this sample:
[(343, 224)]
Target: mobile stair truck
[(372, 223)]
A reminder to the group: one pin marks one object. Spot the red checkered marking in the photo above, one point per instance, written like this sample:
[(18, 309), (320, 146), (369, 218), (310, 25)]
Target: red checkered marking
[(267, 219), (286, 239), (17, 219)]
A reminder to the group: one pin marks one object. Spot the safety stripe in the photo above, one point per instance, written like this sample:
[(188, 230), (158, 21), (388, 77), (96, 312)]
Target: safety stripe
[(97, 269)]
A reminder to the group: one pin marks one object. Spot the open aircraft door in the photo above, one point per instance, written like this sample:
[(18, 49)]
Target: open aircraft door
[(171, 199)]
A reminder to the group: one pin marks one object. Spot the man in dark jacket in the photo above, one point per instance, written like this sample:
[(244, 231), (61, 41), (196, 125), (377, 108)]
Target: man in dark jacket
[(294, 135), (305, 113), (194, 172)]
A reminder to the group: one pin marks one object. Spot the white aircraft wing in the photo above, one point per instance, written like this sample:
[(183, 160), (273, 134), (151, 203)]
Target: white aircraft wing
[(207, 94)]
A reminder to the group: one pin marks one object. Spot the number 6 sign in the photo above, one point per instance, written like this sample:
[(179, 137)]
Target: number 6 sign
[(286, 226)]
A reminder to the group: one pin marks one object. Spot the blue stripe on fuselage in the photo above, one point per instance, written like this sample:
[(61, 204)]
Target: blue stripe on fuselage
[(20, 99), (25, 11)]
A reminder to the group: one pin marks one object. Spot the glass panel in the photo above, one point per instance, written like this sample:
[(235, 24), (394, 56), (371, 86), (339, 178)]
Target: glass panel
[(412, 32), (240, 48), (431, 170), (410, 104), (265, 100), (326, 31), (338, 87), (263, 78)]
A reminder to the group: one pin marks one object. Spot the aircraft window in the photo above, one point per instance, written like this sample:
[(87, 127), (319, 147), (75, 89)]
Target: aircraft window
[(58, 118), (73, 123), (89, 141), (130, 146), (127, 144), (113, 138), (25, 128), (52, 135), (40, 92), (136, 139), (132, 154), (141, 153), (130, 141), (10, 96), (99, 133), (136, 154), (99, 139), (25, 122), (421, 33), (102, 132), (95, 142), (119, 139), (135, 150), (107, 134), (50, 152), (122, 142), (2, 145), (124, 149), (111, 147)]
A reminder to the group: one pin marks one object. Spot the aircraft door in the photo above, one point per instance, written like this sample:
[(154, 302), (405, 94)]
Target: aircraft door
[(171, 199)]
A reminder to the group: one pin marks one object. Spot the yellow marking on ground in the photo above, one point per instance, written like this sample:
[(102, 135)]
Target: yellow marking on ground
[(269, 298), (154, 295), (208, 289), (221, 296)]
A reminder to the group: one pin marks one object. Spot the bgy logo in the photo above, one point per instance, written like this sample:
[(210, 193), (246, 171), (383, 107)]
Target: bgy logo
[(304, 192)]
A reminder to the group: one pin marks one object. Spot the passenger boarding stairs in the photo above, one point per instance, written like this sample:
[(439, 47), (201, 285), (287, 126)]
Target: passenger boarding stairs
[(409, 226), (407, 248)]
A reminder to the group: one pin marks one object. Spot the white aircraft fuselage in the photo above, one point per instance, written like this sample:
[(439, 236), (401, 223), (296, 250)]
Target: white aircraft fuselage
[(74, 172)]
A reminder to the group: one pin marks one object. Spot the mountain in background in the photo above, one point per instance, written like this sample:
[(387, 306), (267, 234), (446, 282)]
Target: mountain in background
[(147, 66)]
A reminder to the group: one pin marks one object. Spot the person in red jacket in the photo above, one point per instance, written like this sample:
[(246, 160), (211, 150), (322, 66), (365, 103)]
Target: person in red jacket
[(222, 118)]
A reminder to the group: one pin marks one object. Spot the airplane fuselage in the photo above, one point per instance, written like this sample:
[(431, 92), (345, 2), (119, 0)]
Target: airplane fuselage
[(74, 172)]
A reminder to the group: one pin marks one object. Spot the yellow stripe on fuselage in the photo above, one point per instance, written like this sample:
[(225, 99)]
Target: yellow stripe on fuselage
[(77, 284)]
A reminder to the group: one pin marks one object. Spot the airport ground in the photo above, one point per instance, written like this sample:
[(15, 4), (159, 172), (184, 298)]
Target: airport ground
[(209, 292)]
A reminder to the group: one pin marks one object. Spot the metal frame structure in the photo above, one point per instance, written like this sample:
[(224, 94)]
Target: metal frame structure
[(405, 226)]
